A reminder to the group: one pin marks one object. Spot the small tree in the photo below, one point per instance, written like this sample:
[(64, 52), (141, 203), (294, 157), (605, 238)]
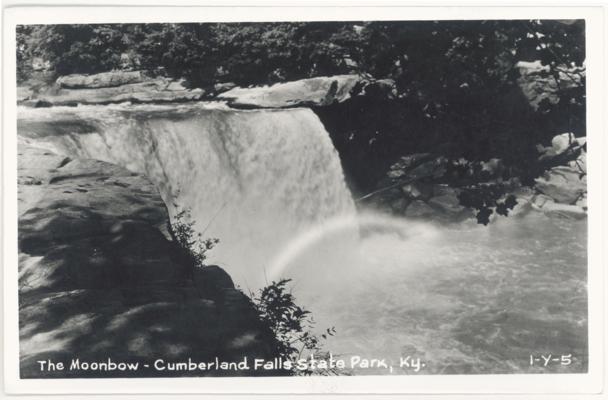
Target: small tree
[(182, 231), (291, 326)]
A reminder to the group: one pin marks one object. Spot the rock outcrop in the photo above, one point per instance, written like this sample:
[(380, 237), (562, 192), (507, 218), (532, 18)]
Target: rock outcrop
[(416, 186), (100, 277), (110, 87), (102, 80), (142, 87), (318, 91)]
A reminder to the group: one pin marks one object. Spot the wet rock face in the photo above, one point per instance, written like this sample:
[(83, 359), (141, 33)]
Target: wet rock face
[(99, 276)]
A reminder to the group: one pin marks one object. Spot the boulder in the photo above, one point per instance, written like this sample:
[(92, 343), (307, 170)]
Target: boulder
[(564, 184), (99, 277), (212, 280), (419, 209), (319, 91), (549, 207), (223, 87), (560, 144), (523, 196), (101, 80), (554, 209), (446, 200)]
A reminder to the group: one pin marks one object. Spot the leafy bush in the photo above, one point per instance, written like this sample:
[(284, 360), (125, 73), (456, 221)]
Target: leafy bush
[(291, 326), (192, 242)]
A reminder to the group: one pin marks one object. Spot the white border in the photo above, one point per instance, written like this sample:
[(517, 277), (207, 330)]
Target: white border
[(592, 382)]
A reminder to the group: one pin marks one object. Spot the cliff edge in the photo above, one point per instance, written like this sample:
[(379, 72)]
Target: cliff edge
[(100, 277)]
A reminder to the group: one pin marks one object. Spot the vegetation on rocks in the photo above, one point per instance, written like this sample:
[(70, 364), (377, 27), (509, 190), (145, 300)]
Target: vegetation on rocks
[(292, 327), (192, 242)]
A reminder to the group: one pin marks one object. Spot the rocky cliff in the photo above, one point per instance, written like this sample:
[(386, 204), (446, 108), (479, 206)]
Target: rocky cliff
[(107, 88), (100, 277)]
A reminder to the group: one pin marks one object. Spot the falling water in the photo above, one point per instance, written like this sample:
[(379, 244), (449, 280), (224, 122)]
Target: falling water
[(253, 179)]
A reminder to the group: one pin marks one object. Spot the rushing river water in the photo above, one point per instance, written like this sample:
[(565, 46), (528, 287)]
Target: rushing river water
[(463, 298)]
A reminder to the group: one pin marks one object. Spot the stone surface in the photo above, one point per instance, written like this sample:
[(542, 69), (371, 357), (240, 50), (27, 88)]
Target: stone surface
[(447, 202), (554, 209), (223, 87), (100, 278), (549, 207), (318, 91), (154, 91), (562, 143), (419, 209), (102, 80), (563, 184)]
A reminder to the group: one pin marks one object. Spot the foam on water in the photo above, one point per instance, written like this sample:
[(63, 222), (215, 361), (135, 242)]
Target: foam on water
[(465, 298)]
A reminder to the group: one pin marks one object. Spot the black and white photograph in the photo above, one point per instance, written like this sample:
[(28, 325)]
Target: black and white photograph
[(302, 198)]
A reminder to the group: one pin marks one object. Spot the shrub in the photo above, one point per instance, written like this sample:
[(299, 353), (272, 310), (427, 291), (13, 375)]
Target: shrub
[(292, 327), (192, 242)]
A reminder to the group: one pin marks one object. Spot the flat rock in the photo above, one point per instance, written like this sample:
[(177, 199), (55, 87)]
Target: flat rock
[(320, 91), (554, 209), (154, 91), (101, 80)]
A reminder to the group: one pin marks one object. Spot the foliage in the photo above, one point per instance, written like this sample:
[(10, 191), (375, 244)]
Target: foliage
[(291, 326), (183, 232)]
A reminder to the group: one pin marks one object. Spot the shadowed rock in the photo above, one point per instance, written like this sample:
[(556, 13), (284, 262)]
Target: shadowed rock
[(100, 278)]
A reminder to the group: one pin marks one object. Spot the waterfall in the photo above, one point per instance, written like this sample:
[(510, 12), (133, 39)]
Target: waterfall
[(253, 179)]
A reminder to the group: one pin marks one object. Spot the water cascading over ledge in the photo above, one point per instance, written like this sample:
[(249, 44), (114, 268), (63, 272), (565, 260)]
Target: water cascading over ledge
[(253, 179)]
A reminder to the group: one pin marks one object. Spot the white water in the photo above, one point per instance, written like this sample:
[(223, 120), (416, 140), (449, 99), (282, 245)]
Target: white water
[(253, 179), (465, 298)]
